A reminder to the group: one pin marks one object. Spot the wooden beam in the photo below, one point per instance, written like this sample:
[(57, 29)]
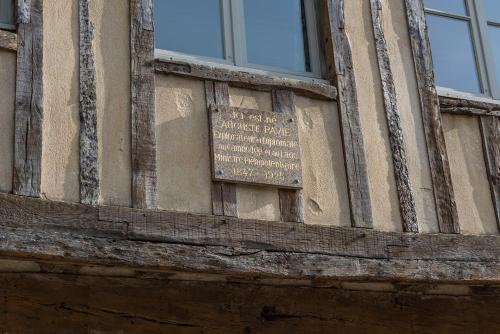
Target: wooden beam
[(29, 99), (172, 241), (444, 197), (89, 162), (468, 107), (337, 44), (396, 137), (291, 201), (249, 80), (223, 193), (144, 178), (8, 40), (490, 133)]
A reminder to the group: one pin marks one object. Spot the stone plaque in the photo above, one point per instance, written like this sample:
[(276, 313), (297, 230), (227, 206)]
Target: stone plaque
[(256, 147)]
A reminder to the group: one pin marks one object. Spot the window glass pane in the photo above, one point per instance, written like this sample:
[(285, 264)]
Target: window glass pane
[(494, 36), (450, 6), (189, 26), (7, 12), (275, 33), (453, 53), (493, 10)]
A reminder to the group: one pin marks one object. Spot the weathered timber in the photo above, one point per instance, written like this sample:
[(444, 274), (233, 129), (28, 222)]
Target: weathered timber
[(89, 163), (29, 99), (396, 137), (337, 44), (70, 303), (223, 193), (242, 79), (444, 197), (468, 107), (291, 201), (490, 132), (172, 241), (144, 178), (8, 40)]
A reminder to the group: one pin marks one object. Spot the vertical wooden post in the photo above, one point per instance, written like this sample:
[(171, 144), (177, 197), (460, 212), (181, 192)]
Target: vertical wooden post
[(291, 201), (223, 193), (444, 197), (89, 163), (490, 132), (396, 137), (29, 99), (144, 177), (340, 61)]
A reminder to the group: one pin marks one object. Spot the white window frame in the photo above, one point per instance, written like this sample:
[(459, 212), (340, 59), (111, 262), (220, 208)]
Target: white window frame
[(233, 30), (9, 26), (478, 23)]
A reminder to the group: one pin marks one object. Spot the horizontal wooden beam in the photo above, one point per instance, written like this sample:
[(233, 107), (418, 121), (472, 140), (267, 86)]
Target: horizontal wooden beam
[(248, 80), (34, 228), (468, 107), (8, 40)]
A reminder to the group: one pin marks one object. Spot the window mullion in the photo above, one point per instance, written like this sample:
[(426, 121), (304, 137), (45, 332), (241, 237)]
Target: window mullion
[(239, 35), (227, 31), (488, 57), (481, 44)]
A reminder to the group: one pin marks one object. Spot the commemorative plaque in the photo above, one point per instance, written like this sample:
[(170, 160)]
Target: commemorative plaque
[(255, 147)]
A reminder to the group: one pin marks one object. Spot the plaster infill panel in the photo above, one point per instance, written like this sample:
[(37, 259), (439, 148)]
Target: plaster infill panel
[(385, 203), (468, 173), (325, 186), (255, 202), (112, 66), (60, 158), (398, 44), (184, 179), (7, 106)]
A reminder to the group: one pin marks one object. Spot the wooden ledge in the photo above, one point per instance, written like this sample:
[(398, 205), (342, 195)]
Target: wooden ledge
[(183, 242), (248, 80), (8, 40), (460, 106)]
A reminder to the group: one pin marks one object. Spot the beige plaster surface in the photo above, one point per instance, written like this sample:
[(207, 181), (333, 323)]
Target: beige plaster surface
[(383, 192), (7, 107), (468, 174), (398, 44), (184, 180), (112, 64), (255, 202), (60, 159), (325, 186)]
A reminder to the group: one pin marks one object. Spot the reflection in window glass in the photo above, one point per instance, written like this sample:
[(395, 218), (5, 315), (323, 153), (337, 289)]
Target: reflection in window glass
[(492, 10), (450, 6), (275, 34), (453, 54), (7, 12), (189, 26), (494, 36)]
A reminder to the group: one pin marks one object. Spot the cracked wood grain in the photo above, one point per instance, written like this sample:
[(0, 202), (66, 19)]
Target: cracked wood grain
[(396, 137), (291, 201), (490, 133), (444, 196), (341, 64), (223, 193), (89, 162), (144, 164), (29, 99)]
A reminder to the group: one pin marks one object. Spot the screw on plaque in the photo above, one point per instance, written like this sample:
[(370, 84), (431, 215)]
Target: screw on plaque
[(220, 172), (296, 181), (290, 120)]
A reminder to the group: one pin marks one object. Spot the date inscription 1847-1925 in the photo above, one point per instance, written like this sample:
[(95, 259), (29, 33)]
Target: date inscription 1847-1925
[(256, 147)]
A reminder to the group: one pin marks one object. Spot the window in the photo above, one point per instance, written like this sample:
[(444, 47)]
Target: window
[(278, 36), (465, 40), (7, 15)]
